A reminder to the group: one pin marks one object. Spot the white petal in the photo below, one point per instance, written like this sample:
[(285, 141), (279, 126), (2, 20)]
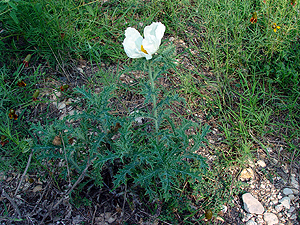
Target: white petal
[(151, 44), (156, 29), (132, 43)]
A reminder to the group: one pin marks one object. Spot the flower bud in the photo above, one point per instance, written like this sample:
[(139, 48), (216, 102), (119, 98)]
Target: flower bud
[(26, 60), (35, 95)]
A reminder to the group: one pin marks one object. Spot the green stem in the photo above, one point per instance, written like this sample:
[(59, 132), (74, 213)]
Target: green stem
[(153, 96)]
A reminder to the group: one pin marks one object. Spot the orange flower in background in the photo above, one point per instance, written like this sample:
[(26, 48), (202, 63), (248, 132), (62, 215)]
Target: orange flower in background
[(64, 87), (254, 17), (3, 140), (12, 114), (62, 36), (293, 2), (26, 60), (275, 27), (21, 83)]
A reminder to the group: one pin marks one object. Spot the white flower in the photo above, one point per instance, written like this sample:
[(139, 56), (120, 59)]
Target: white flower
[(136, 46)]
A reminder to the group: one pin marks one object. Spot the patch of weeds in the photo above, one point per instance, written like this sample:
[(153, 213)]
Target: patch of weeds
[(255, 69), (16, 91)]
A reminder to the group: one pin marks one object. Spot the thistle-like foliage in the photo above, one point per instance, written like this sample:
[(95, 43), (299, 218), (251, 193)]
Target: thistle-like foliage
[(158, 155), (83, 137)]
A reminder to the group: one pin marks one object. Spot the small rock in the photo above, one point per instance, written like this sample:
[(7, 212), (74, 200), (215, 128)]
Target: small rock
[(9, 179), (252, 205), (294, 182), (285, 202), (61, 105), (260, 221), (293, 217), (37, 188), (285, 169), (261, 163), (279, 208), (275, 161), (292, 197), (271, 218), (279, 196), (224, 209), (80, 70), (251, 222), (275, 201), (251, 163), (247, 217), (111, 220), (2, 176), (287, 191), (220, 219), (296, 192), (292, 209), (77, 220), (247, 174), (139, 120)]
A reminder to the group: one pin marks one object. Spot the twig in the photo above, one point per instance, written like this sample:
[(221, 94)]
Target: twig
[(74, 185), (122, 213), (62, 140), (25, 171), (70, 190), (291, 166), (94, 215), (37, 203), (12, 202)]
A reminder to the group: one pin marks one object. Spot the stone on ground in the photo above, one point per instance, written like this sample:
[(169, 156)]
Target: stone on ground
[(252, 205), (270, 218)]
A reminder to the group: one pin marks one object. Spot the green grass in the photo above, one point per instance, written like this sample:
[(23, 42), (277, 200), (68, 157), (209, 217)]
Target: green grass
[(244, 78)]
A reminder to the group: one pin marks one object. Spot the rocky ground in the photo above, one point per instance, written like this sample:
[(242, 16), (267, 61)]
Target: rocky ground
[(269, 202)]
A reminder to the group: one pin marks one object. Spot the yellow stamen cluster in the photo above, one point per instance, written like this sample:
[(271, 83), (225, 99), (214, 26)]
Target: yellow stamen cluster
[(143, 50)]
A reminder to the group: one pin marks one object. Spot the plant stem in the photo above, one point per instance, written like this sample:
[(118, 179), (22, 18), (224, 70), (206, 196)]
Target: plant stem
[(153, 96)]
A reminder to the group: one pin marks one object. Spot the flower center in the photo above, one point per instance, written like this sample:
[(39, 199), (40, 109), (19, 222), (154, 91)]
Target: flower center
[(143, 50)]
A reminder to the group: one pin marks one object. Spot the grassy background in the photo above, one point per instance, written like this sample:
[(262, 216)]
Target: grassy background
[(245, 76)]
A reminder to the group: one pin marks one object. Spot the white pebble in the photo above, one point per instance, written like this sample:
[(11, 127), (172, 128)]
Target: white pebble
[(279, 208), (292, 197), (275, 201), (293, 217), (61, 105), (296, 192), (285, 202), (247, 217), (224, 209), (251, 222), (279, 196), (271, 218), (251, 204), (287, 191), (292, 209), (261, 163), (294, 182)]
